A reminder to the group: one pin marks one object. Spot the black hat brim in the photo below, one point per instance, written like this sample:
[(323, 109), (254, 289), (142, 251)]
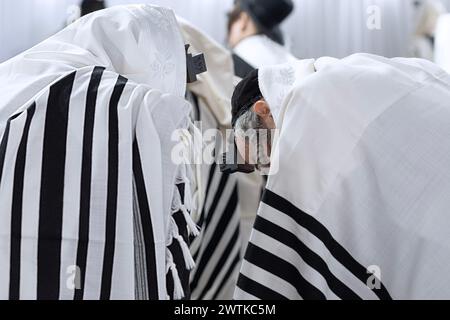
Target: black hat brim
[(274, 33)]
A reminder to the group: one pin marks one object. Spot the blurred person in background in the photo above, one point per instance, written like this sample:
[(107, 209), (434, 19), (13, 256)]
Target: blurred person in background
[(254, 33), (75, 12), (424, 35)]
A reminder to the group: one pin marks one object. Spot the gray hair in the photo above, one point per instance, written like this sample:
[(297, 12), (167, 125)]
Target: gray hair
[(248, 120), (249, 126)]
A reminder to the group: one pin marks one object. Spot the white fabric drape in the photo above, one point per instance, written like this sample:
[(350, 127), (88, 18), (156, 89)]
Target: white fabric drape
[(357, 198), (24, 23), (141, 50), (316, 28)]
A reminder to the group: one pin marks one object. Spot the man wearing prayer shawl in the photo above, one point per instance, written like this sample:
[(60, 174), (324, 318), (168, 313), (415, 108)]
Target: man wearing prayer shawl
[(93, 205), (356, 205)]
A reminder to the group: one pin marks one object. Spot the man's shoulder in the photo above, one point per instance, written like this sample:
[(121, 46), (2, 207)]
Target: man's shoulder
[(261, 51)]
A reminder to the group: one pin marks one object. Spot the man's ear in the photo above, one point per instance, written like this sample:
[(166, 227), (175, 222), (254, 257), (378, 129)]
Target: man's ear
[(261, 108), (245, 21)]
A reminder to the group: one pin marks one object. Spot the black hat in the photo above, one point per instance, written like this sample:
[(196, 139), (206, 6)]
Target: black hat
[(89, 6), (245, 94), (268, 15)]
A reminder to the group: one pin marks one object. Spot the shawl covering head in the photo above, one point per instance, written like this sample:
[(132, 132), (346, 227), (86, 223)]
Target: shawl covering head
[(93, 204), (358, 205)]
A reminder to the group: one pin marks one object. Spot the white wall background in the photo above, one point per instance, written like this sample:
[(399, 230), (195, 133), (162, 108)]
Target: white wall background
[(317, 27)]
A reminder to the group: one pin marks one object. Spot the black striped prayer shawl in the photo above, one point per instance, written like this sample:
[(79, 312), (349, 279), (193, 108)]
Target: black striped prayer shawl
[(217, 249), (82, 171), (93, 206)]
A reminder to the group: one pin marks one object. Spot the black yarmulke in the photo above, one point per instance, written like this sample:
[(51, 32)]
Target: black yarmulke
[(245, 94)]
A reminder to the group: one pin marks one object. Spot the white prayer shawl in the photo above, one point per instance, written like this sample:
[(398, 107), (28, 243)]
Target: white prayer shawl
[(217, 250), (216, 85), (358, 208), (260, 50), (87, 183)]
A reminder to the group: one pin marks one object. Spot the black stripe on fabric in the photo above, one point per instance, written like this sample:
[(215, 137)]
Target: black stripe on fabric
[(258, 290), (16, 211), (284, 270), (86, 175), (211, 175), (227, 276), (216, 199), (321, 232), (201, 220), (178, 258), (225, 255), (52, 189), (219, 230), (147, 227), (205, 217), (111, 198), (196, 106), (310, 257), (4, 144), (212, 170)]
